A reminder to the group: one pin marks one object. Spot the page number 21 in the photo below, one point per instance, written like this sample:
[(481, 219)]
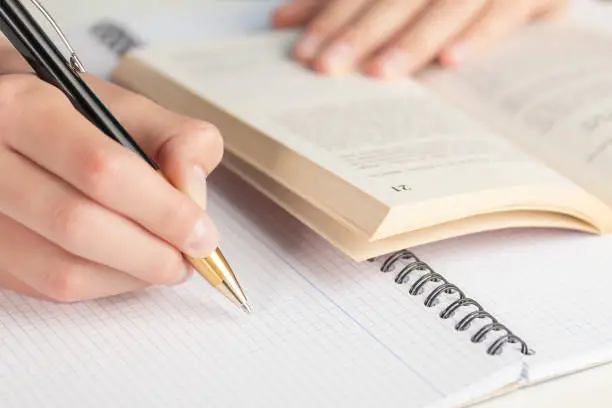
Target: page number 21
[(401, 187)]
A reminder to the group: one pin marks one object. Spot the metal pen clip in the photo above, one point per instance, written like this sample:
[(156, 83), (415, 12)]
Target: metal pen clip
[(74, 61)]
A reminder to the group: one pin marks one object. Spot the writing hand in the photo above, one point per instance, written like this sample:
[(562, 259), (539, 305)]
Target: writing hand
[(82, 217), (392, 38)]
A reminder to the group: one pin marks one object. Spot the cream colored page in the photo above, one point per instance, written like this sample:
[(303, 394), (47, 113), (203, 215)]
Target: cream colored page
[(393, 140), (549, 89)]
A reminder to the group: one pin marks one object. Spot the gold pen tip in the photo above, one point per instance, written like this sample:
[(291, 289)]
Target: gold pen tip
[(247, 308)]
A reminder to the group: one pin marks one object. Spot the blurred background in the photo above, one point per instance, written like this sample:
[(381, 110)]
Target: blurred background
[(71, 12), (172, 21)]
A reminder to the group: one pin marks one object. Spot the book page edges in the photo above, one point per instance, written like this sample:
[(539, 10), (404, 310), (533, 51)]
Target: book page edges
[(359, 247), (573, 203)]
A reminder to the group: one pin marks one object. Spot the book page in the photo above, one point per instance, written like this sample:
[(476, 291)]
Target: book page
[(325, 332), (395, 141), (549, 90)]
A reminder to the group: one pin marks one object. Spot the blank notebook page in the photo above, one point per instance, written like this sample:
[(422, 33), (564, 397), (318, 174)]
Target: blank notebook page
[(325, 332)]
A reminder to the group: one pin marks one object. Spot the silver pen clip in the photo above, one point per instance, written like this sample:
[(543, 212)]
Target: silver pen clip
[(74, 61)]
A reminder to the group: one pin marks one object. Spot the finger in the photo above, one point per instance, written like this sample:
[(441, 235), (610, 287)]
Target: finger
[(551, 10), (296, 13), (423, 39), (107, 172), (152, 125), (496, 21), (365, 35), (12, 283), (46, 205), (187, 150), (326, 24), (41, 269)]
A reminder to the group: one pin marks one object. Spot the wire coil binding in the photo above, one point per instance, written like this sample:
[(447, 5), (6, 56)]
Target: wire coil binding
[(412, 264)]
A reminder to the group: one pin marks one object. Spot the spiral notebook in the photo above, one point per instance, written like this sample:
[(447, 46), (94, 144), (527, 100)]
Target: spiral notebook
[(437, 326)]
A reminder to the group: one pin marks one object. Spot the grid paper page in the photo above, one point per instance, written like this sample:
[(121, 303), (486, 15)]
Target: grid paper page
[(325, 332), (559, 297)]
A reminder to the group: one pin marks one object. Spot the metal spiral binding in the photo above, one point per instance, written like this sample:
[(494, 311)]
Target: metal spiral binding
[(413, 263)]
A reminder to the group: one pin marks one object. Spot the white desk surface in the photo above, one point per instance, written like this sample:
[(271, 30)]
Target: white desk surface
[(591, 388)]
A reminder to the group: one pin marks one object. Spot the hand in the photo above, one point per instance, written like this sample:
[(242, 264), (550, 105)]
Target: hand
[(391, 38), (82, 217)]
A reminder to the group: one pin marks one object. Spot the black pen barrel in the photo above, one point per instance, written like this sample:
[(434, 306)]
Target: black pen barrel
[(51, 66)]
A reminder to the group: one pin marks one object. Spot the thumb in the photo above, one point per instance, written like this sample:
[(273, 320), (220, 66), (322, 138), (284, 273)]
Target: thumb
[(182, 160), (187, 150)]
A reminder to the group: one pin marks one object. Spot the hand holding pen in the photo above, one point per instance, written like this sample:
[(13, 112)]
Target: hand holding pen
[(81, 216)]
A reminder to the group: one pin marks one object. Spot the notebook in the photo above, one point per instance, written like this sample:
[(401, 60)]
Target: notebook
[(326, 331)]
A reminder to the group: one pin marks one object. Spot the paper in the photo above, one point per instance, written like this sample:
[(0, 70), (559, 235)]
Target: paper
[(548, 90), (551, 286), (325, 332)]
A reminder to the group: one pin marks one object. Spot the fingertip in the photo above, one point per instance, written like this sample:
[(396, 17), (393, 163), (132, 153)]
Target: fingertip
[(454, 54), (372, 68), (322, 66), (336, 60), (392, 64), (307, 47)]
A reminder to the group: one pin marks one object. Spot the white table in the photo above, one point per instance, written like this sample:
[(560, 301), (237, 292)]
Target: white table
[(592, 388)]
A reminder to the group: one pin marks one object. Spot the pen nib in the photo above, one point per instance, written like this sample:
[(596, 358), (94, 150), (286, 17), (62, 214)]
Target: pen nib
[(247, 308)]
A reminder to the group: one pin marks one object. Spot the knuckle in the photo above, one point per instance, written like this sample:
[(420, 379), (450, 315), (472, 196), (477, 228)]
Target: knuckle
[(100, 171), (69, 222), (166, 267), (63, 283)]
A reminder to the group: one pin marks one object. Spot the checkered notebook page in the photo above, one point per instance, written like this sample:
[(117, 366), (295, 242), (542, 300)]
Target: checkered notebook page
[(325, 332)]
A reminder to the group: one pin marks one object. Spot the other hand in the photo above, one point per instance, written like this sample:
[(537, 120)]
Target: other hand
[(82, 217), (391, 38)]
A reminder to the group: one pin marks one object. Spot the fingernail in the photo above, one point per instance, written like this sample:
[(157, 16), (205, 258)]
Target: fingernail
[(203, 238), (307, 47), (395, 62), (196, 185), (338, 58)]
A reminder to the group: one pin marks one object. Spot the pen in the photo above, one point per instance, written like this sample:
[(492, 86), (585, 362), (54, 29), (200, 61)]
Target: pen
[(22, 30)]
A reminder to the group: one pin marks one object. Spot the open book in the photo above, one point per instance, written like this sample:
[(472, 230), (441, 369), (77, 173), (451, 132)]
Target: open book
[(519, 138)]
